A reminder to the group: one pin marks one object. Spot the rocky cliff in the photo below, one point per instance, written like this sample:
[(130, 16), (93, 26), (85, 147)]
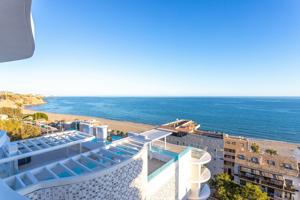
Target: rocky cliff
[(14, 100)]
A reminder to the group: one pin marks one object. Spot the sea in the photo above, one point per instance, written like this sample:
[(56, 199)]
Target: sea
[(274, 118)]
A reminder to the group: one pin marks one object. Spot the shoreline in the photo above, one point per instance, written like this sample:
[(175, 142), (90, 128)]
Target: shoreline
[(128, 126), (283, 147), (125, 126)]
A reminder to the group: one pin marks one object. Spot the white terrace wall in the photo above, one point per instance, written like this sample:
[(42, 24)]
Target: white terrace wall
[(184, 175), (173, 182), (127, 180), (163, 186)]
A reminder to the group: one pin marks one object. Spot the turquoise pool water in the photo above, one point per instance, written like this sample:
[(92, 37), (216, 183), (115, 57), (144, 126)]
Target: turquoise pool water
[(63, 174), (113, 137), (48, 178), (116, 137), (120, 152), (164, 152), (78, 170), (108, 156), (91, 165)]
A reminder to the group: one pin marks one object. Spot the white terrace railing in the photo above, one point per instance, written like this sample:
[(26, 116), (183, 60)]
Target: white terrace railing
[(200, 156)]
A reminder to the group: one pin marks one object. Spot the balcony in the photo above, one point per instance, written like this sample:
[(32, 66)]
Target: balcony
[(249, 178), (267, 182), (272, 184), (200, 157), (201, 194), (229, 159), (290, 188), (203, 177)]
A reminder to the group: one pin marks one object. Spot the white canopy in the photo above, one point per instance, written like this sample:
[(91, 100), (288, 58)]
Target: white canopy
[(155, 134), (16, 35)]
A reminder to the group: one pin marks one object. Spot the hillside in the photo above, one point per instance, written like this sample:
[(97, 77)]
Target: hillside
[(14, 100)]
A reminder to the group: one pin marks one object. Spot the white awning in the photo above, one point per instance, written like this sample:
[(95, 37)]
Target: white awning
[(155, 134), (16, 30)]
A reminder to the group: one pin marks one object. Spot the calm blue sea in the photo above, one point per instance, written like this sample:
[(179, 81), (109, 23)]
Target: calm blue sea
[(276, 118)]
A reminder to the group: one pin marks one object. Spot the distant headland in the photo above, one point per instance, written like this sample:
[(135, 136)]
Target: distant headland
[(15, 100)]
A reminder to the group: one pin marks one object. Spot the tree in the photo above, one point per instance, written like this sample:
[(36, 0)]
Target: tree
[(109, 138), (271, 152), (11, 112), (17, 129), (27, 117), (39, 115), (253, 192), (226, 189), (255, 148), (123, 134)]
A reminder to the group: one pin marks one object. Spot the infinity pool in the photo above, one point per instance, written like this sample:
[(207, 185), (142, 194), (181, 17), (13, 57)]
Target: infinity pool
[(116, 137), (91, 165), (63, 174), (78, 170), (164, 152)]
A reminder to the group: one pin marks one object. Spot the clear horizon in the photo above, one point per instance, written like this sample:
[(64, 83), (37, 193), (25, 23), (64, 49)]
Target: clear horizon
[(216, 96), (161, 49)]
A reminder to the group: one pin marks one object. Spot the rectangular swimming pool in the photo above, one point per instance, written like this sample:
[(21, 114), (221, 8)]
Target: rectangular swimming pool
[(164, 152)]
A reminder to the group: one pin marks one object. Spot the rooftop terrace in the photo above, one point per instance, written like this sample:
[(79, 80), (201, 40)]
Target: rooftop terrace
[(30, 147), (94, 160), (180, 126)]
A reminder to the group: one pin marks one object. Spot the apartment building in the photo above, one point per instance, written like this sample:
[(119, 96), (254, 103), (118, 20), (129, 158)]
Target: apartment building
[(276, 174)]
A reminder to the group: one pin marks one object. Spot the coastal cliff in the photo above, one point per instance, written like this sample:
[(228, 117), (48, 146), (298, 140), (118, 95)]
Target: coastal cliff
[(14, 100)]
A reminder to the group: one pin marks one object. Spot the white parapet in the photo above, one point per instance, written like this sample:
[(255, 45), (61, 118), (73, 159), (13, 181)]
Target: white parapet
[(199, 175), (120, 162), (101, 132), (4, 139), (200, 157), (86, 128), (202, 177), (201, 194)]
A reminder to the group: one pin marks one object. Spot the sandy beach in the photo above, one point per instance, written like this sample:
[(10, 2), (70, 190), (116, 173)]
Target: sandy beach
[(284, 148), (113, 124)]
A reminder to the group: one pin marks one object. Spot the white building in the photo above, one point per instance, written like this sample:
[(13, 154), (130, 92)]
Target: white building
[(86, 127), (73, 165), (3, 117), (101, 132)]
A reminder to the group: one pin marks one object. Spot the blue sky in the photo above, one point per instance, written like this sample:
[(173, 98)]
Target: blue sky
[(161, 48)]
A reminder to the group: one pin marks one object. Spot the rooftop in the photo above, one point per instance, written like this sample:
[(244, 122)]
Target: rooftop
[(30, 147), (274, 164), (188, 126), (181, 125), (281, 163), (155, 134), (90, 161)]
